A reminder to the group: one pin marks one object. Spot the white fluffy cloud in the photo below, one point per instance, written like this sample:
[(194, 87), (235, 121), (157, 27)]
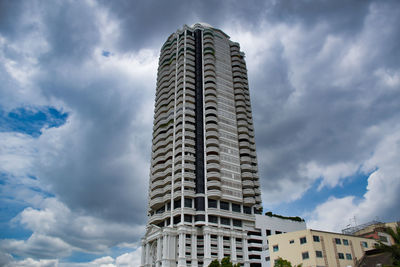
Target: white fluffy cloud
[(324, 87), (320, 97), (381, 200), (131, 259)]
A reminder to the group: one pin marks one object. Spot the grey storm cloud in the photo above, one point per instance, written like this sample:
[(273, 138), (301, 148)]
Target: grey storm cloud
[(149, 23), (328, 122), (323, 92)]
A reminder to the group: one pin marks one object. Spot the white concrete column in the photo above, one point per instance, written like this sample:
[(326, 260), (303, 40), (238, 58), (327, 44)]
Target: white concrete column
[(165, 250), (182, 246), (220, 247), (172, 248), (245, 252), (194, 250), (147, 259), (233, 249), (158, 262), (207, 249), (142, 260)]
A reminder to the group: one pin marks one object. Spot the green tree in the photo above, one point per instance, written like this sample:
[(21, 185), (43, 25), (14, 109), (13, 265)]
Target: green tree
[(225, 262), (214, 263), (284, 263), (394, 249)]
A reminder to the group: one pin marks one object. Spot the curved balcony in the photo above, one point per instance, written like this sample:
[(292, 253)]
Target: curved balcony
[(210, 112), (210, 118), (213, 167), (190, 167), (210, 98), (242, 129), (189, 175), (156, 203), (161, 167), (245, 160), (189, 184), (244, 147), (214, 193), (163, 183), (249, 200), (211, 78), (212, 134), (244, 136), (209, 68), (248, 192), (210, 61), (189, 150), (247, 184), (244, 150), (212, 159), (213, 184), (212, 125), (246, 167), (212, 142), (213, 175), (162, 139), (161, 175), (211, 104), (212, 149), (210, 89), (247, 176), (190, 193)]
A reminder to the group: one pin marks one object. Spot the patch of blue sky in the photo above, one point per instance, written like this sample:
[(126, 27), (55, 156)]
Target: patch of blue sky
[(79, 256), (10, 206), (355, 185), (30, 120), (106, 53), (118, 251), (8, 210), (45, 194)]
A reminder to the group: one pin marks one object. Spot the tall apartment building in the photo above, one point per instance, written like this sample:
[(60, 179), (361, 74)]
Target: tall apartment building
[(204, 187)]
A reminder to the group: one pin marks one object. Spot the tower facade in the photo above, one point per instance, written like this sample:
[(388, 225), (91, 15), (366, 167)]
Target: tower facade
[(204, 187)]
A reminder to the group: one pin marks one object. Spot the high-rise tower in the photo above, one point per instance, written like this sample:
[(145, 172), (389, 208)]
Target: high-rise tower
[(204, 187)]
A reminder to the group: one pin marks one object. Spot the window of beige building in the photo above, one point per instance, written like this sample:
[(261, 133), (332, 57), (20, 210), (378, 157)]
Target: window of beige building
[(305, 255)]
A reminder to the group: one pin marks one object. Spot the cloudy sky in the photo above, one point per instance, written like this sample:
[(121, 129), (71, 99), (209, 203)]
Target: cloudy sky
[(77, 87)]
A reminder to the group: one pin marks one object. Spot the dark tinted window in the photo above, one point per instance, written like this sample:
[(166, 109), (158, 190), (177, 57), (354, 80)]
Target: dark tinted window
[(225, 221), (237, 223), (188, 218), (224, 205), (246, 210), (188, 202), (212, 203), (177, 203), (212, 219), (235, 207)]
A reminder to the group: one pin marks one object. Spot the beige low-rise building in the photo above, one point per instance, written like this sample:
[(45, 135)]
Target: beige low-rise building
[(318, 248)]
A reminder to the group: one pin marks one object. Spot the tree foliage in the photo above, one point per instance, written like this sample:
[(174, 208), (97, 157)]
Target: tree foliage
[(393, 249), (225, 262), (296, 218), (284, 263)]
